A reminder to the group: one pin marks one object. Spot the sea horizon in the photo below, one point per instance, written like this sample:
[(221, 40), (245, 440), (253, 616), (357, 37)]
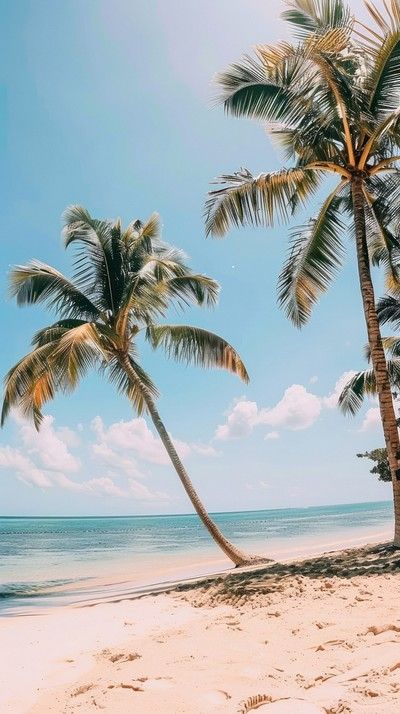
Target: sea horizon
[(211, 512)]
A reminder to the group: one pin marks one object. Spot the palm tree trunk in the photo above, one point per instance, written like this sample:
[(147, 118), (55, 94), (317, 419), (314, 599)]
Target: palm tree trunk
[(378, 358), (238, 557)]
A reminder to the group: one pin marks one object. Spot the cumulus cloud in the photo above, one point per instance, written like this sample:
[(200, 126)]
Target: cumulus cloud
[(298, 409), (240, 421), (50, 446), (331, 401), (24, 468), (119, 441), (45, 460), (372, 419)]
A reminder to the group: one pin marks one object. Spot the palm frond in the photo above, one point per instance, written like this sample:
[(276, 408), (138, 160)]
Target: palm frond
[(98, 267), (143, 234), (388, 309), (363, 384), (193, 345), (54, 332), (135, 384), (310, 17), (248, 90), (40, 283), (244, 199), (78, 349), (352, 395), (383, 80), (315, 255), (187, 289), (383, 246)]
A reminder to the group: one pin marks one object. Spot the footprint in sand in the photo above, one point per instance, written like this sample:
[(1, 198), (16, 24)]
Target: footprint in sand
[(158, 684), (82, 690), (215, 697), (283, 706)]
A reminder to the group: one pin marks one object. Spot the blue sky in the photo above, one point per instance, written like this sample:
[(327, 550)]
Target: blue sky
[(110, 105)]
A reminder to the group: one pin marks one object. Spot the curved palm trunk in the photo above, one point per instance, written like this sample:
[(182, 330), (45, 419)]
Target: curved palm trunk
[(378, 358), (238, 557)]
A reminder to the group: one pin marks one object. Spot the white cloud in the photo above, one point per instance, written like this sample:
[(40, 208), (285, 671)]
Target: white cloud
[(240, 421), (204, 450), (105, 455), (313, 379), (50, 446), (372, 419), (140, 491), (116, 444), (298, 409), (135, 435), (104, 486), (25, 469), (272, 435), (45, 461), (331, 401)]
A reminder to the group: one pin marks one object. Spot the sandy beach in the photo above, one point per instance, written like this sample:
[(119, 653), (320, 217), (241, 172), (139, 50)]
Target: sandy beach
[(316, 635)]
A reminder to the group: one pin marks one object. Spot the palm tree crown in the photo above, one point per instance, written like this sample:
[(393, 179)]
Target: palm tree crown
[(124, 281), (331, 101)]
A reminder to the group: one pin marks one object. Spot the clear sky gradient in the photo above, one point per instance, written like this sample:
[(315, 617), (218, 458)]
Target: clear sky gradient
[(110, 105)]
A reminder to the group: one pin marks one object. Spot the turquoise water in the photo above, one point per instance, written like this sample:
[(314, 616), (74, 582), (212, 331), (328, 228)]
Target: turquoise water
[(38, 555)]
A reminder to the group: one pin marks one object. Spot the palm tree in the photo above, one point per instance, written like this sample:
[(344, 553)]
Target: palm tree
[(331, 101), (124, 281)]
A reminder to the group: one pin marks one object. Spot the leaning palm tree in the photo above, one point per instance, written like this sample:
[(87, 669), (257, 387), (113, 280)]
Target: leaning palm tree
[(331, 101), (124, 281)]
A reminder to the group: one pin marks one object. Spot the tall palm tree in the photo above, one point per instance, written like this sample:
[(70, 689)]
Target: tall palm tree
[(124, 281), (331, 101)]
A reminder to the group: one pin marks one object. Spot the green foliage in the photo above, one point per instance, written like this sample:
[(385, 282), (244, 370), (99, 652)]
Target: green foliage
[(124, 281), (330, 100), (381, 463)]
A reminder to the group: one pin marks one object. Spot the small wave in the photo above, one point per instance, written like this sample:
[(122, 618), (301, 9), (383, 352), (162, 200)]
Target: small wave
[(33, 589)]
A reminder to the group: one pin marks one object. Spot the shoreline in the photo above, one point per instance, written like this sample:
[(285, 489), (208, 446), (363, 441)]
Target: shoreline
[(187, 568), (96, 665)]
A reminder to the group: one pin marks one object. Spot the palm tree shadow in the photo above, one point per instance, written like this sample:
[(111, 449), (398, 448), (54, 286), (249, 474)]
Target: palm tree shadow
[(238, 587)]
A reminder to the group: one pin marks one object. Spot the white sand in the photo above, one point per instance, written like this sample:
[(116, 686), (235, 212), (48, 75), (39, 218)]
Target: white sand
[(320, 636)]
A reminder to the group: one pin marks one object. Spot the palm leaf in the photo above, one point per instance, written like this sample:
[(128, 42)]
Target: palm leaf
[(135, 384), (352, 395), (29, 383), (388, 310), (38, 282), (98, 267), (314, 258), (363, 384), (245, 199), (78, 349), (199, 289), (54, 332), (193, 345), (310, 17)]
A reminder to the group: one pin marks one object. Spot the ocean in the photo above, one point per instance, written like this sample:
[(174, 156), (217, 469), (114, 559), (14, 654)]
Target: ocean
[(47, 560)]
